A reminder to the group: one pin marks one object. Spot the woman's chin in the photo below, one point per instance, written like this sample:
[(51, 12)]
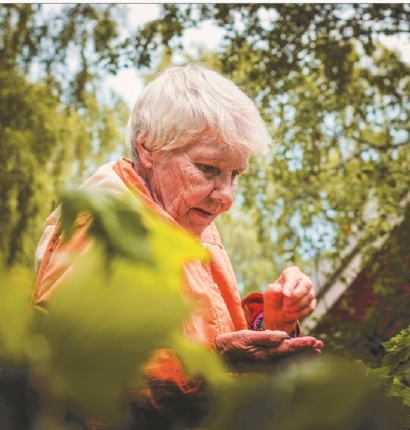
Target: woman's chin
[(195, 230), (195, 227)]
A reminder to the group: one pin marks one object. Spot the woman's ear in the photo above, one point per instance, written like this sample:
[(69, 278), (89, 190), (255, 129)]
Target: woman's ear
[(145, 155)]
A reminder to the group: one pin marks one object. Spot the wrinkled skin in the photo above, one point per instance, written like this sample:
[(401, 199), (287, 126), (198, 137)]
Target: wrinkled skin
[(201, 175), (287, 300), (247, 349)]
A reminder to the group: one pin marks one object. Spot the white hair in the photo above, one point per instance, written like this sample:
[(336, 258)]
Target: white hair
[(190, 102)]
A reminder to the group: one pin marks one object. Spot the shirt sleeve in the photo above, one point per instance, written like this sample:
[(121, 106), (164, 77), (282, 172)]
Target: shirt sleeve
[(59, 260)]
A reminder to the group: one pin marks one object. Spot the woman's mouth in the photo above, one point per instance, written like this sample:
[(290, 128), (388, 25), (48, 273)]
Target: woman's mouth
[(203, 213)]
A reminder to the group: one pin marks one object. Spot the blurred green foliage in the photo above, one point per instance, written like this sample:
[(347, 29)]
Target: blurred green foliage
[(48, 134), (15, 292), (318, 395), (105, 322), (101, 327), (339, 103)]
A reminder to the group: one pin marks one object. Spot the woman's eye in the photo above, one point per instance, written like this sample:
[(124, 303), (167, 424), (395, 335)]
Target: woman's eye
[(206, 167), (235, 174)]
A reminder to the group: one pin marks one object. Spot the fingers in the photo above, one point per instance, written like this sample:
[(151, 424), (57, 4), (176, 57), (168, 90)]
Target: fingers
[(301, 313), (245, 339), (267, 337), (318, 344), (292, 293), (251, 348), (303, 288), (295, 346), (305, 300), (299, 297), (299, 286), (289, 280), (273, 296)]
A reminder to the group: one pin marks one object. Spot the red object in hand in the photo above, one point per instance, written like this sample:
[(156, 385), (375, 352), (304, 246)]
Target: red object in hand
[(253, 305)]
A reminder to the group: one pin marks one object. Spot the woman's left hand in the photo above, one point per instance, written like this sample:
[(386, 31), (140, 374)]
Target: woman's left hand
[(287, 300)]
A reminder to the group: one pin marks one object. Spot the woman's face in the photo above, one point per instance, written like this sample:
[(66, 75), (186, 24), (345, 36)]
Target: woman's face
[(197, 183)]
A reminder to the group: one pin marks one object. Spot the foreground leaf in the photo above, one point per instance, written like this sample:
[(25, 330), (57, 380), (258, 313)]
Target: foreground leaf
[(322, 394), (15, 292), (100, 330), (116, 222)]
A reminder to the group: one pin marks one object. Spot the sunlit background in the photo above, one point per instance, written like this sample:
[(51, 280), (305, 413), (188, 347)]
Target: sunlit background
[(332, 82), (129, 83)]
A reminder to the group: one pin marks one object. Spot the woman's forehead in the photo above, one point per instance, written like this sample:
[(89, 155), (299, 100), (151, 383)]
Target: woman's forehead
[(219, 153)]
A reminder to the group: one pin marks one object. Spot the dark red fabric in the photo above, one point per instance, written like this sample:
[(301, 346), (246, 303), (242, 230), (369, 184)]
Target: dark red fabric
[(253, 305)]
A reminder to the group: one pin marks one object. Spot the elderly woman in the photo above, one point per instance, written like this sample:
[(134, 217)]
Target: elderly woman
[(191, 134)]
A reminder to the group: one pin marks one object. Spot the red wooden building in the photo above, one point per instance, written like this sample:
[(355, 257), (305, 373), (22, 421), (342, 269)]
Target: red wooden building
[(354, 288)]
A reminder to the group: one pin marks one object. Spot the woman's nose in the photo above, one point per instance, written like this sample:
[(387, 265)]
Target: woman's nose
[(224, 190)]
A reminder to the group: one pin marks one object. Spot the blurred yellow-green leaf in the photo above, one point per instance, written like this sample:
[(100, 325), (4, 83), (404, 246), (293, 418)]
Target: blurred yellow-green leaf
[(101, 327), (104, 323), (116, 222), (15, 292), (324, 394)]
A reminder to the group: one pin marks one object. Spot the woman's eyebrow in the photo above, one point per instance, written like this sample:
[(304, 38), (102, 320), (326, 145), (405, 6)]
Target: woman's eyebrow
[(215, 160)]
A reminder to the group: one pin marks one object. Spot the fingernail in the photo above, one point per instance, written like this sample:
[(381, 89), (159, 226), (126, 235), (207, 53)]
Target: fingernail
[(282, 334)]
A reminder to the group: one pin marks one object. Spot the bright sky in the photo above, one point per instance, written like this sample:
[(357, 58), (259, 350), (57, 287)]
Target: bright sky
[(129, 83)]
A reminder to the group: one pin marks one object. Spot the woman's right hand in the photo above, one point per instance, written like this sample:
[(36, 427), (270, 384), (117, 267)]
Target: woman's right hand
[(247, 349)]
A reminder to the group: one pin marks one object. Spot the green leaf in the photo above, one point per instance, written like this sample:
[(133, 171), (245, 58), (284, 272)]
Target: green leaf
[(398, 349), (15, 292), (106, 321), (380, 375), (116, 222), (403, 368), (392, 360), (101, 327), (395, 344)]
